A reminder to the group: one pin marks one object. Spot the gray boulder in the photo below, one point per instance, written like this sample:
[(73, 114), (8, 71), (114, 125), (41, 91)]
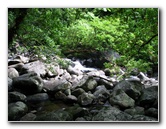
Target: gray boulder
[(85, 99), (135, 111), (77, 92), (121, 99), (152, 112), (37, 67), (90, 85), (16, 111), (132, 88), (149, 97), (16, 96), (111, 114), (36, 98), (28, 83), (12, 73), (28, 117)]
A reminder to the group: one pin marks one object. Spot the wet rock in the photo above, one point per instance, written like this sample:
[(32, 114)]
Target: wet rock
[(121, 99), (78, 92), (36, 98), (12, 73), (132, 88), (152, 112), (85, 99), (16, 96), (111, 114), (90, 85), (28, 83), (149, 97), (16, 111), (28, 117), (135, 111)]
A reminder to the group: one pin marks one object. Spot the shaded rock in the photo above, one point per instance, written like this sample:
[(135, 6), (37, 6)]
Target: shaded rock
[(28, 117), (135, 111), (10, 82), (86, 99), (13, 62), (149, 97), (16, 111), (18, 66), (111, 114), (80, 119), (28, 83), (107, 84), (36, 67), (121, 99), (12, 73), (78, 92), (90, 85), (132, 88), (16, 96), (107, 72), (143, 118), (152, 112), (58, 115), (39, 97)]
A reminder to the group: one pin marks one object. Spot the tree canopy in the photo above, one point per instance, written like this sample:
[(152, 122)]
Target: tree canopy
[(132, 32)]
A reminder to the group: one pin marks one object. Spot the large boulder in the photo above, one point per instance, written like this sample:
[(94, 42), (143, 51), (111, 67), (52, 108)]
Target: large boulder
[(90, 85), (16, 111), (152, 112), (16, 96), (121, 99), (77, 92), (111, 114), (149, 97), (28, 83), (132, 88), (86, 99), (12, 73), (135, 111), (37, 67)]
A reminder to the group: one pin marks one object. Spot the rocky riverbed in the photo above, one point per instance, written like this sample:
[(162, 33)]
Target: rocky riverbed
[(54, 91)]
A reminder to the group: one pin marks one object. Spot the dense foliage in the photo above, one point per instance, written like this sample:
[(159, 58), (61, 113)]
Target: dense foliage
[(132, 32)]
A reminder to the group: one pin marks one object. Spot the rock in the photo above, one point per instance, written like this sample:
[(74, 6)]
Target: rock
[(111, 114), (82, 82), (36, 67), (80, 119), (12, 73), (74, 71), (57, 84), (18, 66), (78, 92), (143, 118), (107, 72), (28, 83), (107, 84), (13, 62), (10, 83), (101, 94), (121, 99), (16, 96), (23, 59), (90, 85), (16, 111), (135, 111), (58, 115), (28, 117), (149, 97), (36, 98), (85, 99), (152, 112), (131, 88)]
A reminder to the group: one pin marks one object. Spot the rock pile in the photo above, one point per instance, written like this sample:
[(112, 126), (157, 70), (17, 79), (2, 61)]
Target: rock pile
[(35, 90)]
